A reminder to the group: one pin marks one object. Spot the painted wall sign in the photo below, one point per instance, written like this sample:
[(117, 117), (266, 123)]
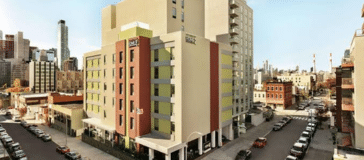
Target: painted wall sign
[(190, 39), (134, 43)]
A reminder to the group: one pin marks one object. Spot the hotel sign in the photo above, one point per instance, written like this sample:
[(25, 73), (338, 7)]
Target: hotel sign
[(134, 43), (190, 39)]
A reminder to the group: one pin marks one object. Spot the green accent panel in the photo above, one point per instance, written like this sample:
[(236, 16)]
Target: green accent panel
[(152, 124), (152, 107), (89, 85), (95, 63), (226, 59), (89, 64), (165, 90), (89, 74), (227, 87), (151, 72), (164, 54), (165, 108), (96, 109), (89, 96), (152, 55), (227, 73), (226, 115), (96, 97), (152, 89), (135, 32), (227, 101), (165, 126), (164, 72), (96, 74), (96, 86), (89, 107), (127, 141)]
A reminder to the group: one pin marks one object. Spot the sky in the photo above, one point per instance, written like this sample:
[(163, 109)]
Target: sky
[(286, 32)]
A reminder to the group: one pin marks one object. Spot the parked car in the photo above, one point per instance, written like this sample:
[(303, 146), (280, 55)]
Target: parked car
[(8, 141), (47, 138), (297, 150), (3, 133), (26, 126), (62, 149), (313, 125), (40, 134), (23, 123), (260, 142), (283, 122), (307, 135), (304, 141), (14, 147), (4, 137), (72, 155), (23, 158), (290, 157), (36, 131), (277, 126), (7, 113), (243, 155), (18, 154), (31, 128), (312, 120), (288, 119), (2, 129)]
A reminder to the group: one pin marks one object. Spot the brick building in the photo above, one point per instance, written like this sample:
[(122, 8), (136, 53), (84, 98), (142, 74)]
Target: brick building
[(71, 64), (69, 81), (21, 71), (279, 94)]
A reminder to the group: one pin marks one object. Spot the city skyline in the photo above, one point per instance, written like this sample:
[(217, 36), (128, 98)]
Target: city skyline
[(271, 18)]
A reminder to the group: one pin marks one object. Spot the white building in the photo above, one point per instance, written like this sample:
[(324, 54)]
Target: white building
[(63, 51)]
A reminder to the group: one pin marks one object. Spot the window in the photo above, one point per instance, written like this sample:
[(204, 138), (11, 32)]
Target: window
[(280, 88), (272, 88), (174, 1), (105, 87), (255, 95), (156, 72), (131, 106), (156, 55), (120, 104), (113, 102), (131, 123), (121, 88), (121, 73), (121, 57), (172, 127), (104, 59), (131, 89), (120, 120), (174, 13), (156, 86), (113, 73), (131, 55), (131, 72), (182, 28), (113, 87), (276, 88), (183, 3), (156, 107), (276, 96), (104, 100), (268, 88), (259, 95), (113, 58), (156, 124), (267, 95), (172, 90), (272, 96), (104, 114), (183, 17), (263, 95), (280, 96)]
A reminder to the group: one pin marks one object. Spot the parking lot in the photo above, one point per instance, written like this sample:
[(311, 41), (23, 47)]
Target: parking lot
[(279, 143), (34, 148)]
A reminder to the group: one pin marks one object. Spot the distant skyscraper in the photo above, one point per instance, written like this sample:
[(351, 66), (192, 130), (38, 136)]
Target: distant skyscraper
[(330, 70), (63, 51), (1, 35), (314, 63)]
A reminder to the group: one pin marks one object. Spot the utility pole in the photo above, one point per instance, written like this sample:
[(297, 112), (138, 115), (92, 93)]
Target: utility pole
[(66, 129)]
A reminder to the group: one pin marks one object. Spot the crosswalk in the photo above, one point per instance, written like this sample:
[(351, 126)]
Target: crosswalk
[(300, 118)]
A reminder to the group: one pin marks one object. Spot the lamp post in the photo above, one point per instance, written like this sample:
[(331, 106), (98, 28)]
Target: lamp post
[(187, 141)]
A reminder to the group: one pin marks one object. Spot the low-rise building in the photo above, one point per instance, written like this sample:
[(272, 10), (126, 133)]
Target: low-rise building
[(67, 118), (260, 96), (279, 94)]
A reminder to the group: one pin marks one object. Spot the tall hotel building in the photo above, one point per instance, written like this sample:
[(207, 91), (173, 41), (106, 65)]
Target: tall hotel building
[(42, 74), (166, 78), (62, 44)]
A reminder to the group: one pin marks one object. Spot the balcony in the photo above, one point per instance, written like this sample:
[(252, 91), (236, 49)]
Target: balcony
[(347, 83), (234, 22), (234, 31), (347, 104), (347, 63), (235, 48), (233, 4), (233, 13), (234, 40)]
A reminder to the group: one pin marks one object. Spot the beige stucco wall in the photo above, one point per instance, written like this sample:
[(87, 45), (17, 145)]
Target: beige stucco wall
[(216, 19), (358, 54), (261, 98)]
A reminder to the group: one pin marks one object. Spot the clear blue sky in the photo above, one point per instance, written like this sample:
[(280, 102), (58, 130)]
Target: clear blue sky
[(286, 32)]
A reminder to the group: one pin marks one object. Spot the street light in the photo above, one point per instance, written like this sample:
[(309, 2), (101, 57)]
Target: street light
[(187, 141)]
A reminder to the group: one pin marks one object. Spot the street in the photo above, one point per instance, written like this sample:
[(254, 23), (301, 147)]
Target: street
[(34, 148), (280, 142)]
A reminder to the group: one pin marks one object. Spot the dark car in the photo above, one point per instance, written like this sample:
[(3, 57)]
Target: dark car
[(35, 131), (46, 138), (39, 134), (18, 154), (26, 125), (14, 147), (260, 142), (2, 129), (287, 119), (277, 126), (306, 135), (297, 150), (72, 155), (8, 113), (23, 123), (283, 122), (3, 137), (62, 149), (31, 128), (243, 155), (8, 141)]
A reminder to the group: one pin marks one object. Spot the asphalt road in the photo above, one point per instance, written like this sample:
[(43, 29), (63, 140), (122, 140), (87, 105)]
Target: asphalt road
[(279, 143), (34, 148)]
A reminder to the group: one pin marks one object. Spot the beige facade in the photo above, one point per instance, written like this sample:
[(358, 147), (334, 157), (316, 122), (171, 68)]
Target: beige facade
[(73, 112), (69, 81), (301, 81), (260, 96), (42, 76)]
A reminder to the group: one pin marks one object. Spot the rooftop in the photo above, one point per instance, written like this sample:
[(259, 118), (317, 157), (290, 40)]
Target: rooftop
[(72, 105)]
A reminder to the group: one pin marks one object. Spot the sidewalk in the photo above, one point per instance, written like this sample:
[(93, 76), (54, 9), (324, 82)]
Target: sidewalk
[(75, 144), (245, 141)]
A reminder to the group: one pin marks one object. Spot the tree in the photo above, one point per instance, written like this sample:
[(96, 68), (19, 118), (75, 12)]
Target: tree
[(22, 111)]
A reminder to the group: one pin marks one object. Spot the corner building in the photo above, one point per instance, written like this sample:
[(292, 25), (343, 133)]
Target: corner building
[(154, 77)]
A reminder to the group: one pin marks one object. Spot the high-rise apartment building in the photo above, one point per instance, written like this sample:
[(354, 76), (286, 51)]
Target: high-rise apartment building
[(69, 81), (5, 73), (71, 64), (231, 22), (42, 75), (21, 71), (62, 44), (160, 69)]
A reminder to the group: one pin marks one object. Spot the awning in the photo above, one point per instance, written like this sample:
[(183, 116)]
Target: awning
[(97, 122), (159, 143)]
